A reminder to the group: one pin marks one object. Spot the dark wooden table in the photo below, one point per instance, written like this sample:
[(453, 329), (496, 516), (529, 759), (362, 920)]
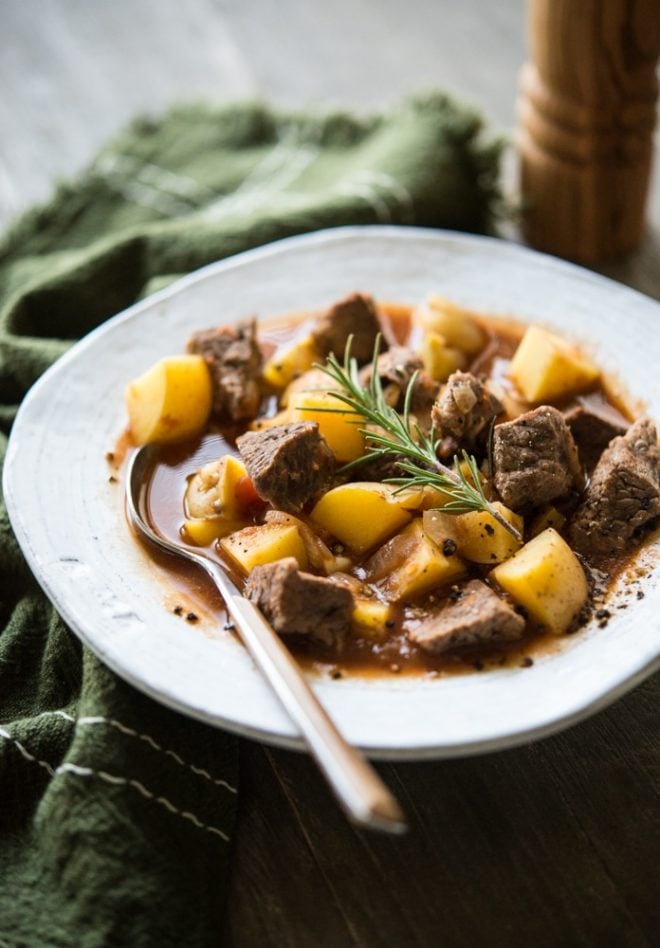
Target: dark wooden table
[(554, 844)]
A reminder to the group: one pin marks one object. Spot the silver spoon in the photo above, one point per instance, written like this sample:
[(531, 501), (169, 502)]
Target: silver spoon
[(355, 783)]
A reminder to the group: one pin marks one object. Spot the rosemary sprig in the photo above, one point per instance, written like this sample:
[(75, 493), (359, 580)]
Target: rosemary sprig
[(395, 436)]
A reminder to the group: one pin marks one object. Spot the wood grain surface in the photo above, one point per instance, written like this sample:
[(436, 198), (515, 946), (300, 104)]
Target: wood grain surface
[(554, 844)]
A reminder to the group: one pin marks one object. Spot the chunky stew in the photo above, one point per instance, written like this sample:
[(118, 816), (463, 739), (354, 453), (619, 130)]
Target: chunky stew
[(401, 488)]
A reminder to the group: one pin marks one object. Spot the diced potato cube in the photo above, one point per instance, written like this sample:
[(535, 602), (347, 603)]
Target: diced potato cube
[(420, 498), (441, 359), (171, 401), (337, 423), (255, 546), (313, 381), (203, 531), (548, 517), (361, 515), (428, 498), (215, 500), (484, 478), (319, 556), (423, 568), (513, 402), (390, 556), (478, 536), (545, 577), (456, 324), (288, 364), (545, 367), (260, 424), (211, 492), (370, 618)]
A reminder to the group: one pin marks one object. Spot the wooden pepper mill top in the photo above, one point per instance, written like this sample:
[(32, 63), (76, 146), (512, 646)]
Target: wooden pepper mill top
[(587, 111)]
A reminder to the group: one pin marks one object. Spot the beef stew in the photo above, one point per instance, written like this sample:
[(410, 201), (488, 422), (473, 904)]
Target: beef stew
[(304, 514)]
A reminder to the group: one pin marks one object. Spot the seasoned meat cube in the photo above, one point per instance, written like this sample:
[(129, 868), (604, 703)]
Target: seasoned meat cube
[(464, 411), (234, 358), (593, 424), (425, 393), (477, 617), (354, 315), (396, 366), (395, 369), (380, 469), (535, 459), (623, 495), (297, 603), (288, 464)]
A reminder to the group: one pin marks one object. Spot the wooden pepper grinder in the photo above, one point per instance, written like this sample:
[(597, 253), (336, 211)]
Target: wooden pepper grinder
[(587, 111)]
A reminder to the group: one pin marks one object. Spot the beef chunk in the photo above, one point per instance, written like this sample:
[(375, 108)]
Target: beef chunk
[(535, 459), (463, 412), (425, 393), (477, 617), (395, 369), (623, 495), (380, 469), (593, 424), (297, 603), (288, 464), (354, 315), (234, 358)]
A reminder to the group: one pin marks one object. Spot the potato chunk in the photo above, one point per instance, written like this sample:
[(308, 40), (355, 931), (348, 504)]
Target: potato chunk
[(546, 367), (478, 536), (361, 515), (456, 324), (420, 498), (260, 424), (337, 423), (212, 503), (171, 401), (255, 546), (545, 577), (319, 556), (548, 517), (370, 618), (440, 359), (211, 492), (288, 364), (203, 531), (313, 381), (411, 564)]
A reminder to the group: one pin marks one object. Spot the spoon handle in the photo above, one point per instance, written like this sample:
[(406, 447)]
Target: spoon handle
[(357, 786)]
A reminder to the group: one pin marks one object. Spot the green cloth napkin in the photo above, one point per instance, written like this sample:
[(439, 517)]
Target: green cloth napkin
[(115, 813)]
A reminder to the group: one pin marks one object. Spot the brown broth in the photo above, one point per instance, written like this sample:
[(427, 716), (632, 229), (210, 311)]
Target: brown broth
[(395, 655)]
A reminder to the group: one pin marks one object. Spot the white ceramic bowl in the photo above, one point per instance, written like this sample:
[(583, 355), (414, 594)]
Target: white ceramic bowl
[(70, 521)]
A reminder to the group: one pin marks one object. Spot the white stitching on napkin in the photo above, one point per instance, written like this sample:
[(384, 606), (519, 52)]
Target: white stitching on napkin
[(25, 753), (111, 722), (143, 791), (375, 188), (281, 166), (112, 779), (399, 191), (138, 184), (170, 182), (368, 193)]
